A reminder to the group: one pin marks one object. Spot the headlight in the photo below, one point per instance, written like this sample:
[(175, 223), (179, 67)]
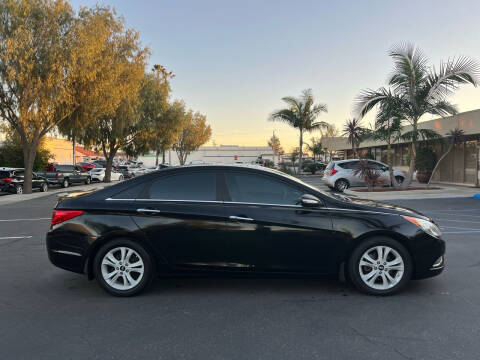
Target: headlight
[(427, 226)]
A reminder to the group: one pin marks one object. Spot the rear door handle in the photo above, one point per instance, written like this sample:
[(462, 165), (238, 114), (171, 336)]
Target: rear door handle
[(148, 211), (240, 218)]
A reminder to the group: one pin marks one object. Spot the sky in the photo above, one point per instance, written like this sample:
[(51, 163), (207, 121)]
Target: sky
[(235, 59)]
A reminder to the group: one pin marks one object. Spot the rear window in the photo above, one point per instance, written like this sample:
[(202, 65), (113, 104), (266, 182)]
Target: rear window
[(64, 167), (4, 174)]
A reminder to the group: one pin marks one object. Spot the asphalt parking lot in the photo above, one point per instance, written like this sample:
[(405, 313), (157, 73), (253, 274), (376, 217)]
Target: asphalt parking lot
[(48, 313)]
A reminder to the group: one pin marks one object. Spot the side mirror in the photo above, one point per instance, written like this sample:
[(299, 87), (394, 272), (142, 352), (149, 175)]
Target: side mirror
[(311, 201)]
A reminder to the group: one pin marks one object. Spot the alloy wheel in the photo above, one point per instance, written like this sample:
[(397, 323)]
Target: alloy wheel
[(341, 185), (122, 268), (381, 267), (44, 187), (19, 189)]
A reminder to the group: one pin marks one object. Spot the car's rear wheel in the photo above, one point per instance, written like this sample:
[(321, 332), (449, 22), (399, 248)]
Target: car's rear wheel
[(399, 179), (120, 178), (88, 180), (123, 267), (341, 185), (44, 187), (65, 183), (380, 266), (19, 189)]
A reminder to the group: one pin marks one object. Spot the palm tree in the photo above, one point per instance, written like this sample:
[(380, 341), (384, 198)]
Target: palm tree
[(455, 137), (301, 114), (419, 89), (354, 133), (315, 146)]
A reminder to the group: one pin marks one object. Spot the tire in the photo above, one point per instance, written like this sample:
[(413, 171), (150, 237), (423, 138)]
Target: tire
[(88, 181), (399, 273), (341, 185), (44, 187), (399, 179), (19, 189), (130, 281), (120, 178), (65, 183)]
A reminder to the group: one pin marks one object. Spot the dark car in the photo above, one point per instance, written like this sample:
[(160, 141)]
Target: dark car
[(11, 180), (66, 175), (243, 219)]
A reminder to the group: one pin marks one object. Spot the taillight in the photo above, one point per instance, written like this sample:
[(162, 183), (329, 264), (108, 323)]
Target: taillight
[(60, 216), (57, 175), (8, 180), (333, 171)]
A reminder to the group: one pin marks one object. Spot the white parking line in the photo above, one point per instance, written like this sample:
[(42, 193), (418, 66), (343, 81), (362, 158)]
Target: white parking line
[(35, 219), (15, 237)]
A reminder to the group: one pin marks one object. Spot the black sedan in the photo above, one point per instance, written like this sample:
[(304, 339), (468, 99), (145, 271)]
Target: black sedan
[(242, 219)]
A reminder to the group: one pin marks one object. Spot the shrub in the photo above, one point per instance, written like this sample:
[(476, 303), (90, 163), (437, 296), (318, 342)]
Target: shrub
[(284, 168), (425, 160), (11, 155), (368, 173), (311, 168), (269, 164)]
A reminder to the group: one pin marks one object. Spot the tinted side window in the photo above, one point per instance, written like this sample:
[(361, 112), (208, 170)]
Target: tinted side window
[(375, 165), (350, 165), (253, 188), (187, 186), (132, 192)]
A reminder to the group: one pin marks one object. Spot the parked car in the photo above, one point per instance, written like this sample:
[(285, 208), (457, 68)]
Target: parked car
[(127, 171), (242, 219), (65, 175), (11, 180), (98, 174), (100, 163), (86, 166), (340, 175)]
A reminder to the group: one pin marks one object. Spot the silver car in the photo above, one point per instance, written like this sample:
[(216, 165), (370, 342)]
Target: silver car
[(340, 174)]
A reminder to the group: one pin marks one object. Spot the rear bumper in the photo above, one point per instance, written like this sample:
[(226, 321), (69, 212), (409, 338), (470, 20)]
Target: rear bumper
[(67, 250)]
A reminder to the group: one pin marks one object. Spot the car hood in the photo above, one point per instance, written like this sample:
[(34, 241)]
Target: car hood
[(377, 206)]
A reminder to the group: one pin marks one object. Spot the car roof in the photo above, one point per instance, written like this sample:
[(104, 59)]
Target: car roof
[(10, 169)]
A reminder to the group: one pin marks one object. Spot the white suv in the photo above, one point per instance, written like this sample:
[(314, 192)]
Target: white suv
[(340, 174)]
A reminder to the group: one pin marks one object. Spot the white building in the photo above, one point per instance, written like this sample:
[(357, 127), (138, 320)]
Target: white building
[(225, 154)]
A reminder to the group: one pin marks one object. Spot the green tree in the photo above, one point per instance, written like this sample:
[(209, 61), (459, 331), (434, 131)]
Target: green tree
[(315, 146), (11, 152), (37, 49), (274, 143), (97, 32), (194, 134), (419, 89), (167, 128), (354, 133), (301, 114), (454, 136), (388, 128)]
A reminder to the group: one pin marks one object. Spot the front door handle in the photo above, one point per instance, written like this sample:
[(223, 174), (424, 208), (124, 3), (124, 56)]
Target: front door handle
[(240, 218), (148, 211)]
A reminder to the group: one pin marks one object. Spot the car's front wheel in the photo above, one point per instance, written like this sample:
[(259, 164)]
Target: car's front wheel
[(399, 179), (65, 183), (88, 180), (19, 189), (380, 266), (123, 267), (44, 187)]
